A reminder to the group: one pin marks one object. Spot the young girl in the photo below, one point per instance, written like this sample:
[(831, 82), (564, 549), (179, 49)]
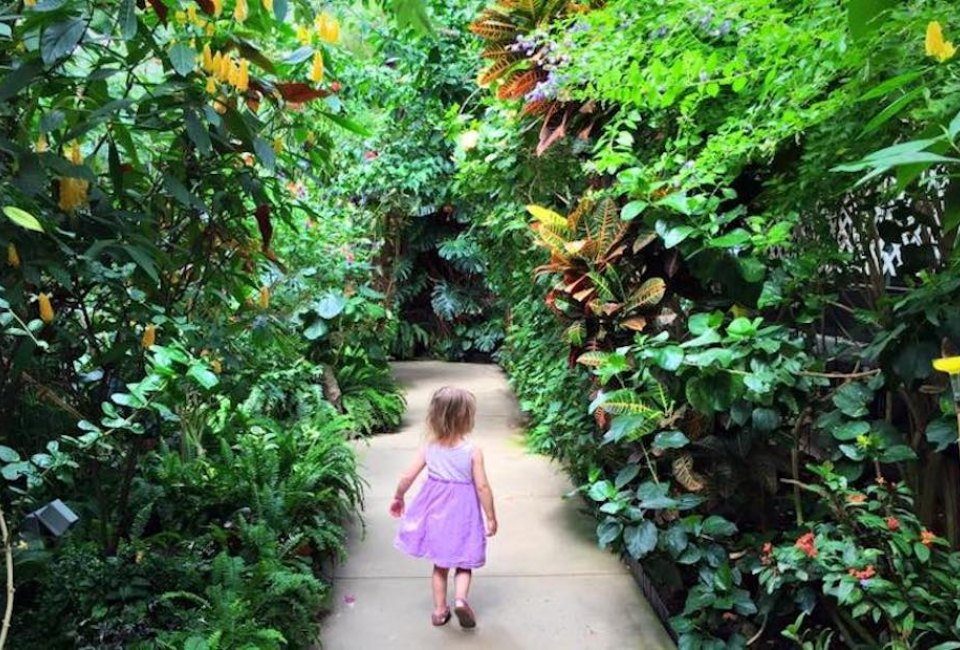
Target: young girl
[(443, 524)]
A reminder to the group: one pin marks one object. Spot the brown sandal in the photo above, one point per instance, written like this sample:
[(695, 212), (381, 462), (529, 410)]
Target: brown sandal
[(464, 614), (442, 619)]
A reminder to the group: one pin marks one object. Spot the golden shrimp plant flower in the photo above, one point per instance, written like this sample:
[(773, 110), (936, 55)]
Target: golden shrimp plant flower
[(316, 69), (936, 46), (951, 366), (241, 11), (46, 309), (13, 257)]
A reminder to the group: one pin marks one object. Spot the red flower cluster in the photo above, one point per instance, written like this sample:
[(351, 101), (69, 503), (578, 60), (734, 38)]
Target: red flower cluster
[(864, 574), (805, 544), (893, 524), (927, 538)]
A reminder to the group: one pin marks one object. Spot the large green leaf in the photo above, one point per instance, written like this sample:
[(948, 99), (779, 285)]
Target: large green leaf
[(22, 218), (59, 39), (184, 58), (641, 539), (127, 19)]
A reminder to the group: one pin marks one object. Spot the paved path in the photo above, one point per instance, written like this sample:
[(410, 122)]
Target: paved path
[(546, 585)]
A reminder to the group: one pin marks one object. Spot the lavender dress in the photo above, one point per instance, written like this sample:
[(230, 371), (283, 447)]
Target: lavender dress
[(443, 523)]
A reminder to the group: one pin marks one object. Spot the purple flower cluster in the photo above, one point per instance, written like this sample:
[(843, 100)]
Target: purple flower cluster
[(546, 89), (706, 23)]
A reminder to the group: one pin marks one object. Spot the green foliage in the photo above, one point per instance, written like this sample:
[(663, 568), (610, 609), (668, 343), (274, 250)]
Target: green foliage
[(733, 328)]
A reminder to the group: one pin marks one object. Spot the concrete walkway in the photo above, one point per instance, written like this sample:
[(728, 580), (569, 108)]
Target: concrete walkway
[(546, 584)]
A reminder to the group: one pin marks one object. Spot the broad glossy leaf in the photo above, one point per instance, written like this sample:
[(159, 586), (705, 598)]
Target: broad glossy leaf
[(127, 19), (22, 218), (60, 39), (184, 58)]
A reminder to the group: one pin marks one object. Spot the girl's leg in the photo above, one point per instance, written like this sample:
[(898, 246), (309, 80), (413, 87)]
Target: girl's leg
[(440, 589), (462, 580)]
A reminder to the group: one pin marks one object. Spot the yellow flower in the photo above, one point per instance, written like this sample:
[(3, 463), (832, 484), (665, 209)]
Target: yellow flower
[(13, 258), (316, 69), (41, 144), (215, 64), (226, 65), (29, 3), (149, 336), (328, 27), (937, 47), (216, 366), (207, 58), (233, 75), (304, 35), (278, 144), (243, 78), (192, 13), (76, 157), (211, 85), (73, 193), (268, 5), (241, 11), (264, 297), (949, 365), (180, 18), (217, 8), (211, 30), (46, 309)]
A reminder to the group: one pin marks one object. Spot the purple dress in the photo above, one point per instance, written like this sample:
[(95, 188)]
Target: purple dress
[(443, 524)]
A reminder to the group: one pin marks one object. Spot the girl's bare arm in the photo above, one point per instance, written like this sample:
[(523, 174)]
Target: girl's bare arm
[(406, 480), (484, 492)]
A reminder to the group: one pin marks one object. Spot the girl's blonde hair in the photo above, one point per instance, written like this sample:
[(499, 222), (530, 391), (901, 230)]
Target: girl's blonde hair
[(451, 413)]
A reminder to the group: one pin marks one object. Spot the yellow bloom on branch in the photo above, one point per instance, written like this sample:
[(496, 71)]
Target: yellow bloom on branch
[(243, 76), (278, 144), (268, 5), (149, 336), (41, 145), (937, 47), (46, 309), (13, 258), (241, 11), (180, 18), (217, 8), (316, 69), (328, 28), (192, 13), (264, 297), (73, 193), (304, 35), (76, 157), (949, 365), (211, 85), (207, 61)]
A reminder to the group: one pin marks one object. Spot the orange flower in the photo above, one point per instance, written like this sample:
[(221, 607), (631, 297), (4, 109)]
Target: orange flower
[(149, 336), (856, 498), (217, 8), (865, 574), (927, 538)]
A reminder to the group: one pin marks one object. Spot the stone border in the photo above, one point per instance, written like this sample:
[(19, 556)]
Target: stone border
[(650, 593)]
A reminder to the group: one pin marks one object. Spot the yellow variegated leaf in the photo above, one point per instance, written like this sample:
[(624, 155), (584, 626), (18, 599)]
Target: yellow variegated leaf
[(547, 216), (686, 476), (592, 359)]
